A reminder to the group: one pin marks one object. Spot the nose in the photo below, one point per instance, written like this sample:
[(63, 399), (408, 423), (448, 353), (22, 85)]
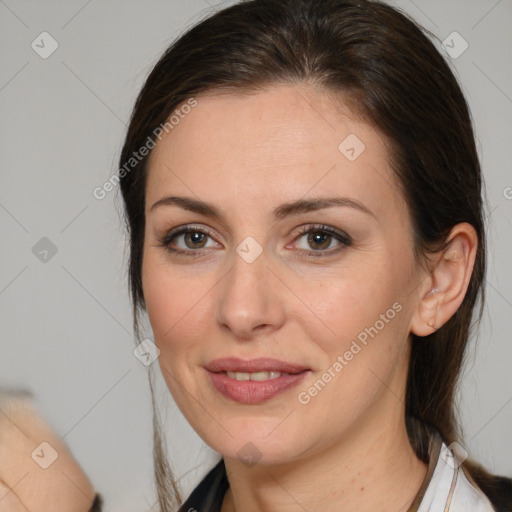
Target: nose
[(251, 299)]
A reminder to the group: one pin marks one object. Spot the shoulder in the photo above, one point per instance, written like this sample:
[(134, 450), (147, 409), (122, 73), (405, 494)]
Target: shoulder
[(468, 494), (499, 490), (450, 487), (457, 484)]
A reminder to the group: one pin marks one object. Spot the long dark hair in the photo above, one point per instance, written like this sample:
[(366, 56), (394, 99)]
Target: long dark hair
[(390, 74)]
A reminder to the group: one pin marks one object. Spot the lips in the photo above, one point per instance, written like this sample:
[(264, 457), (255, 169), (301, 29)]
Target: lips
[(232, 364), (254, 381)]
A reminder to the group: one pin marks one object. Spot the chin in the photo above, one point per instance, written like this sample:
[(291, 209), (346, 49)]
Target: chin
[(257, 443)]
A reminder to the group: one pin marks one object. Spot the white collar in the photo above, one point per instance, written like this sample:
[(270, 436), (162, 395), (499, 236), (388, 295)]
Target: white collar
[(447, 487)]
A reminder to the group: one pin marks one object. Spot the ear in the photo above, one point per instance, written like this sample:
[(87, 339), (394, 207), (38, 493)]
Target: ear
[(442, 293)]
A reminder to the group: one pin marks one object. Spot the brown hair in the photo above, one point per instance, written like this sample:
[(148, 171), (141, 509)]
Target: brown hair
[(391, 75)]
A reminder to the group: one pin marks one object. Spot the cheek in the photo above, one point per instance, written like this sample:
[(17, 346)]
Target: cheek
[(363, 329), (346, 305), (175, 303), (362, 337)]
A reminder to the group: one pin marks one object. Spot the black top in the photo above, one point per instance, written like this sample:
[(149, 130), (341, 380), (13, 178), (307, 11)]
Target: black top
[(209, 494), (97, 505)]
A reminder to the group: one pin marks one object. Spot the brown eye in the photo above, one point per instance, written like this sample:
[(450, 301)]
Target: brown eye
[(187, 240), (319, 240), (195, 239)]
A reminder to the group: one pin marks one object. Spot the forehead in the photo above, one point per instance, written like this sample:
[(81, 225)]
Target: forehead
[(276, 144)]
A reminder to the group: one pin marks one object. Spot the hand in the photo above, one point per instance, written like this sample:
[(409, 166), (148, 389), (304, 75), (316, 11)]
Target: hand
[(25, 486)]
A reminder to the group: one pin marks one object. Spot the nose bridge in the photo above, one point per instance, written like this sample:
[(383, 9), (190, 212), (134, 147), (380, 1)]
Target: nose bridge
[(248, 299)]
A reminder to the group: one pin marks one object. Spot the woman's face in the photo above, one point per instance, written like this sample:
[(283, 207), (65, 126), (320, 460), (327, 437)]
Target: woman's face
[(283, 319)]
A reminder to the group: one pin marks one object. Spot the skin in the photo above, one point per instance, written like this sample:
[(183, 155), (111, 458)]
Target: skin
[(25, 486), (347, 449)]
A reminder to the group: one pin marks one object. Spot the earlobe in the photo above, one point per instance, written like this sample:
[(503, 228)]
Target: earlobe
[(443, 292)]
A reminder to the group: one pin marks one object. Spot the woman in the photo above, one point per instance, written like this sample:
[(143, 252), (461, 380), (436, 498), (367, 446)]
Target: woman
[(303, 199)]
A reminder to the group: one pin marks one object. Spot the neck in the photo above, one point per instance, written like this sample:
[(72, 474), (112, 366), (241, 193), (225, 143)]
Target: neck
[(373, 468)]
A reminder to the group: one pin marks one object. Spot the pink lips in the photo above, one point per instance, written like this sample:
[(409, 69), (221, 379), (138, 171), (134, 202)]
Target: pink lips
[(254, 392)]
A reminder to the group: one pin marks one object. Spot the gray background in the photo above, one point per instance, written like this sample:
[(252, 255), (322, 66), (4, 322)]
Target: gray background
[(66, 324)]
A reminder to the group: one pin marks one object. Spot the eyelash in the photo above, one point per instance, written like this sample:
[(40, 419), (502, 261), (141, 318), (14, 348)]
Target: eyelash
[(344, 239)]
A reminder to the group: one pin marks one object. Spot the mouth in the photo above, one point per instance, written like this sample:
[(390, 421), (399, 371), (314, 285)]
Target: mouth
[(254, 381), (256, 376)]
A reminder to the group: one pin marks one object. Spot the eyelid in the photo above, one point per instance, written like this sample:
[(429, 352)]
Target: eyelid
[(344, 240), (166, 238)]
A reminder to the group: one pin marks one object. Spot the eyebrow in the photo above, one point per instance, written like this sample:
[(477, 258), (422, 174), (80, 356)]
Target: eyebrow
[(282, 211)]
